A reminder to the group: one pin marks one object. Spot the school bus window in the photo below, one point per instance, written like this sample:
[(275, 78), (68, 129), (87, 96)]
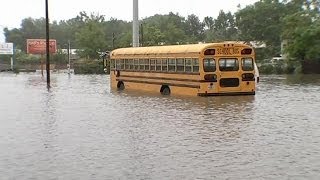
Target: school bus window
[(228, 64), (117, 64), (165, 65), (126, 63), (195, 65), (152, 64), (147, 64), (188, 65), (180, 65), (141, 64), (136, 64), (130, 63), (209, 65), (172, 65), (112, 64), (158, 65), (122, 64), (247, 64)]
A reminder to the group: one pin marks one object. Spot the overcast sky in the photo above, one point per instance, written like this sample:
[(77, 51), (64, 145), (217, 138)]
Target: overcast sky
[(13, 11)]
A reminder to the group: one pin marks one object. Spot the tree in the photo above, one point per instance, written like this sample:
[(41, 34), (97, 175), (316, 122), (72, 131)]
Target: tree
[(91, 37), (208, 23), (194, 29), (152, 35), (302, 30), (262, 22)]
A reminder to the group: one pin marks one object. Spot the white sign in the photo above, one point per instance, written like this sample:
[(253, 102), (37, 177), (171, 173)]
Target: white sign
[(6, 48)]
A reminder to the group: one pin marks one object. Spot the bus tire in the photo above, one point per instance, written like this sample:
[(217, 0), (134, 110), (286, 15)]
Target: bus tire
[(165, 90), (120, 86)]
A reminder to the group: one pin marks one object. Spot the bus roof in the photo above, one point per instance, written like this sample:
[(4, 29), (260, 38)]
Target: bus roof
[(172, 49)]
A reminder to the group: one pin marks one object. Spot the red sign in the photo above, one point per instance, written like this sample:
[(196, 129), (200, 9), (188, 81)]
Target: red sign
[(38, 46)]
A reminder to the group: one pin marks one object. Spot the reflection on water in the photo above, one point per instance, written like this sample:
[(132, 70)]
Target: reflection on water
[(79, 129)]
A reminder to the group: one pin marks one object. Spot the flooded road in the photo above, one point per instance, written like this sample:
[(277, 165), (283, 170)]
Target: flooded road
[(79, 129)]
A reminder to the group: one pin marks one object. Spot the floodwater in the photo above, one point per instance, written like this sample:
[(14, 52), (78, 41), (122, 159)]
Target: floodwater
[(79, 129)]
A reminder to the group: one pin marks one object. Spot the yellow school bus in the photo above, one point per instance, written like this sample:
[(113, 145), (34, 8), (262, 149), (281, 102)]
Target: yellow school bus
[(226, 68)]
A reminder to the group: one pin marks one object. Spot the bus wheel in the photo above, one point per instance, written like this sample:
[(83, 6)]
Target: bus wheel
[(120, 85), (165, 90)]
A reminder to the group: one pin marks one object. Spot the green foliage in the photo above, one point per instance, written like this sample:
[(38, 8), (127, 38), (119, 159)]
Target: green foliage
[(152, 35), (268, 21), (168, 29), (91, 37), (222, 29), (266, 69), (194, 29), (302, 30), (262, 22), (23, 58), (281, 67), (88, 67)]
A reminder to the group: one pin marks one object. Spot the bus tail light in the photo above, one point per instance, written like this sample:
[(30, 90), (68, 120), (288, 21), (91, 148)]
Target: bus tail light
[(248, 77), (210, 78)]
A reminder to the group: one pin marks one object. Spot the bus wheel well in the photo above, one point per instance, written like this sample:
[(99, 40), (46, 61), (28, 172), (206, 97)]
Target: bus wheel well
[(120, 85), (165, 90)]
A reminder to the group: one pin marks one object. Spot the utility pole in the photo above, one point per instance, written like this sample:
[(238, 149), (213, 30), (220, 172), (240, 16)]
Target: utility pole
[(113, 38), (69, 62), (47, 45), (141, 34), (135, 24)]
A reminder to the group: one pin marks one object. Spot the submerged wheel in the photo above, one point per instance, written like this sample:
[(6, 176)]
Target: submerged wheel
[(165, 90), (120, 86)]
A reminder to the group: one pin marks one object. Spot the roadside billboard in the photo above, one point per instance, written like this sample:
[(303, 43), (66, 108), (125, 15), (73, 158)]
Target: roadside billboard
[(6, 48), (38, 46)]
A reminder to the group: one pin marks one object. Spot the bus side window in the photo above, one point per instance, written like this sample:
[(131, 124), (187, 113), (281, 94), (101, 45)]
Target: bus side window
[(152, 64), (172, 65), (118, 66), (131, 64), (122, 64), (180, 65), (147, 64), (112, 64), (195, 65), (126, 62), (141, 64), (136, 64), (188, 65), (164, 65), (158, 65)]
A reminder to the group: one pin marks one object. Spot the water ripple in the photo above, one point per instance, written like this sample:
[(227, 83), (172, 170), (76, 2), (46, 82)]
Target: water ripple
[(80, 129)]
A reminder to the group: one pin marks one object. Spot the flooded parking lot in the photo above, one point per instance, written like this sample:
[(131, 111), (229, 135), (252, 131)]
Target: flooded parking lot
[(80, 129)]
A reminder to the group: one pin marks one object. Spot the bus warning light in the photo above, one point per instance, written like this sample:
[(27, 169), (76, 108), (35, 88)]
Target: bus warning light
[(210, 52), (246, 51)]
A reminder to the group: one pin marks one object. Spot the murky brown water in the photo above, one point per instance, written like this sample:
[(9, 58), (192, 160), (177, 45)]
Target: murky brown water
[(80, 130)]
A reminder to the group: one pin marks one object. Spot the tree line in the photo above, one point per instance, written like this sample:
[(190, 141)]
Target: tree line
[(267, 21)]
